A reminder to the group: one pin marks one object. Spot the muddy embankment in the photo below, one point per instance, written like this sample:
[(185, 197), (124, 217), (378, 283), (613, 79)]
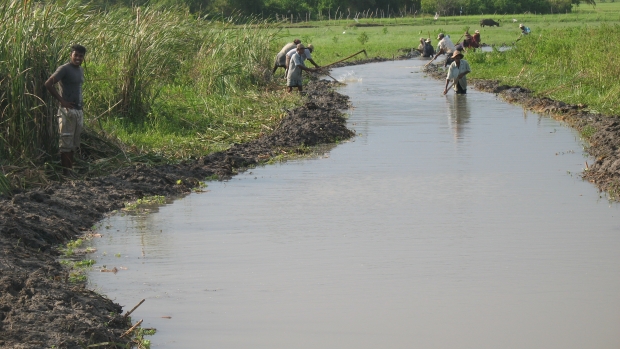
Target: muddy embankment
[(602, 131), (39, 306)]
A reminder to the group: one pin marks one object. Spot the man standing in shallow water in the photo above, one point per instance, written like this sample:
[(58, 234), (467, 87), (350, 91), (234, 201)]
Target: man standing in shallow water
[(457, 72), (70, 114)]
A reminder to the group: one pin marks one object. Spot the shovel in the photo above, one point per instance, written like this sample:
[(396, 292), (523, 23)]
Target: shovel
[(344, 59)]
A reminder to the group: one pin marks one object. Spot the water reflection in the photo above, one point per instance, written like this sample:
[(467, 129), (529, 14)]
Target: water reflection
[(458, 114), (397, 239)]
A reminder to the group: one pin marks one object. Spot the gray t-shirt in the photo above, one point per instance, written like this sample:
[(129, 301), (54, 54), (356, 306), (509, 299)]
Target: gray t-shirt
[(70, 80)]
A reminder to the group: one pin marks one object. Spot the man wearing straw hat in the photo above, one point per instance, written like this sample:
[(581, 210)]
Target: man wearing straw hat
[(70, 114), (296, 65), (457, 72), (281, 56)]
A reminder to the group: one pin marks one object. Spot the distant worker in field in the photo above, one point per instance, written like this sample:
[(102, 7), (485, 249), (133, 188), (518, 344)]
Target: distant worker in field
[(446, 47), (457, 73), (307, 54), (477, 39), (70, 77), (524, 30), (421, 45), (281, 56), (295, 67), (428, 50), (470, 41)]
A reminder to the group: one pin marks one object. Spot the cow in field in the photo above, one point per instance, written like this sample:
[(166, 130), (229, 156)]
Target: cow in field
[(488, 22)]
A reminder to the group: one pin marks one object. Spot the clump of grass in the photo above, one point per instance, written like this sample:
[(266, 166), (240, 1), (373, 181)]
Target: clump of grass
[(145, 201), (77, 269), (588, 131), (5, 185)]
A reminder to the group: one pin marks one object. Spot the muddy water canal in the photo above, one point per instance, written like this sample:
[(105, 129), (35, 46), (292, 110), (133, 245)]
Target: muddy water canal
[(448, 222)]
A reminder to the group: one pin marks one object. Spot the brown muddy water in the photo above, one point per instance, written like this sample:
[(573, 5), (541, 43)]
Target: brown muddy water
[(448, 222)]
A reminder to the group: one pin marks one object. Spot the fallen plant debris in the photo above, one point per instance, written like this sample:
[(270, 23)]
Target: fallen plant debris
[(39, 306)]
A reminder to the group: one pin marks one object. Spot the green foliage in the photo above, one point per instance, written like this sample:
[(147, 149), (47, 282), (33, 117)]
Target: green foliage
[(34, 40), (5, 185), (564, 65), (363, 38), (145, 201), (588, 131), (160, 82)]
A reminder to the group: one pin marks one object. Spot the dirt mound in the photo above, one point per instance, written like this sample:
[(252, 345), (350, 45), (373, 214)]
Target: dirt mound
[(39, 307)]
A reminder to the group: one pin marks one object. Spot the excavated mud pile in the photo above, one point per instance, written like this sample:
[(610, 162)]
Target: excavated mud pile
[(602, 132), (39, 306)]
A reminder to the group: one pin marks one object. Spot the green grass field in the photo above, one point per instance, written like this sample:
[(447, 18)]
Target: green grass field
[(568, 57), (176, 86), (339, 38)]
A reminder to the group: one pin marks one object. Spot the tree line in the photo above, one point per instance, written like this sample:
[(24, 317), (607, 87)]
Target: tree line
[(339, 9)]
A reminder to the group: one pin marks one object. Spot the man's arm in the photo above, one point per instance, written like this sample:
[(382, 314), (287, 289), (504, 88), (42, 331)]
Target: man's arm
[(49, 85), (313, 63), (303, 67), (439, 53)]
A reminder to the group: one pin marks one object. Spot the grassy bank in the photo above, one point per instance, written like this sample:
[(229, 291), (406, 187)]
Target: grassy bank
[(573, 65), (161, 85), (568, 57), (338, 38)]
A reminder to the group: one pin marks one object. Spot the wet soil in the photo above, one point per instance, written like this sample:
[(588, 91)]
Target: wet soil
[(601, 132), (39, 306)]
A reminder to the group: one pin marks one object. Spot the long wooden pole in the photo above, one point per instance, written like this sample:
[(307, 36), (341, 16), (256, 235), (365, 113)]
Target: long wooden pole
[(344, 59)]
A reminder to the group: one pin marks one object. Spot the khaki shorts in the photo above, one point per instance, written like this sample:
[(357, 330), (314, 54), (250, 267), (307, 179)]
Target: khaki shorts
[(294, 79), (71, 122)]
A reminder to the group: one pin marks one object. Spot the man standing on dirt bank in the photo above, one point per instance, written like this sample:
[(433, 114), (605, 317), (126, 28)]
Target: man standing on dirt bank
[(307, 54), (70, 114), (281, 56), (296, 65), (457, 72), (445, 46)]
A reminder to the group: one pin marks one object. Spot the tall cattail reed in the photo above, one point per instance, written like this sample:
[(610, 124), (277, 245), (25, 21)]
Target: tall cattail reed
[(133, 55), (34, 39)]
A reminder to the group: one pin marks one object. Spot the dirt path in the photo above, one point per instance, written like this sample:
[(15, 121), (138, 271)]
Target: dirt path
[(602, 132), (39, 307)]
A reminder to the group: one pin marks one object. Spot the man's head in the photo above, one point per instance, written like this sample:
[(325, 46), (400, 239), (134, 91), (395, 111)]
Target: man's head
[(440, 36), (521, 25), (428, 41), (457, 55), (310, 47), (300, 49), (77, 54), (477, 32), (296, 41)]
